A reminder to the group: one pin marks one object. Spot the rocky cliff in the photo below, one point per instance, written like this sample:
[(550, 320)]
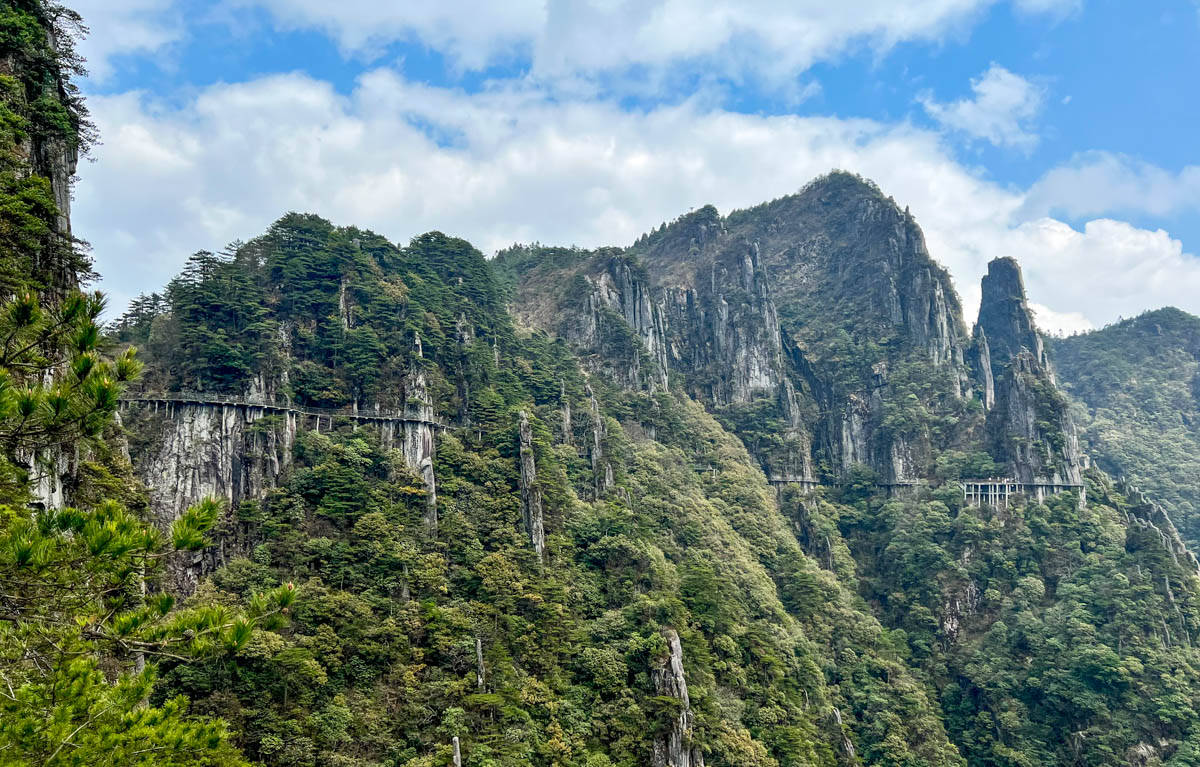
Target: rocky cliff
[(1005, 325), (237, 451), (675, 747), (1030, 429), (742, 435), (758, 314), (44, 128)]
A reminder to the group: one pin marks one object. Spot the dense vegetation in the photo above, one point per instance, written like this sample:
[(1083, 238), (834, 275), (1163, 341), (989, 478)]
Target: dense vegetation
[(44, 128), (81, 627), (1137, 385), (391, 614), (838, 626), (817, 629), (1039, 626)]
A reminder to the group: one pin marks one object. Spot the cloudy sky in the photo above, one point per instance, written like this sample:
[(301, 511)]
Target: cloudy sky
[(1061, 132)]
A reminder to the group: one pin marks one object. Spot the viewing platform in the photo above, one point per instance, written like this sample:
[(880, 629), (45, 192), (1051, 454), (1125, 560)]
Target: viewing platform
[(997, 491)]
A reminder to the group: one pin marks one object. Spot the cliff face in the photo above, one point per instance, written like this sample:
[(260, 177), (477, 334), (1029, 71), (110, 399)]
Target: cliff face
[(43, 129), (840, 248), (668, 440), (187, 451), (621, 324), (1030, 429), (50, 154), (1005, 319), (756, 314), (531, 491), (675, 747)]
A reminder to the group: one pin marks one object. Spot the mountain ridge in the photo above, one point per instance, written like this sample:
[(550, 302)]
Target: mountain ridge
[(1137, 384), (705, 483), (698, 502)]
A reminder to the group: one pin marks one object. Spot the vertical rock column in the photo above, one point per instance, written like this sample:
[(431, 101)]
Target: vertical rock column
[(566, 413), (979, 356), (675, 747), (1029, 426), (531, 494), (418, 433), (601, 470)]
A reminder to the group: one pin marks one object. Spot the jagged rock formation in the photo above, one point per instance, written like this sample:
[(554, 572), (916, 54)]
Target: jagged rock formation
[(200, 450), (1005, 320), (602, 475), (1029, 427), (619, 300), (979, 358), (188, 451), (1149, 515), (813, 332), (531, 492), (742, 310), (675, 747), (418, 444)]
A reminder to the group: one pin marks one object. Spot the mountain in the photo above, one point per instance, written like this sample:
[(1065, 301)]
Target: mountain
[(1138, 384), (617, 596), (747, 492)]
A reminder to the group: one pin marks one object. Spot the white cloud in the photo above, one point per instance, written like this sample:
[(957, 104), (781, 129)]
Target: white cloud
[(572, 43), (1060, 323), (514, 165), (1108, 270), (126, 27), (1095, 183), (1003, 106), (567, 39)]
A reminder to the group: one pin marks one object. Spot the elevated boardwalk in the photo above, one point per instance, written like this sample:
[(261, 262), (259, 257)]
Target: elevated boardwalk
[(994, 492), (279, 406), (997, 491), (804, 484)]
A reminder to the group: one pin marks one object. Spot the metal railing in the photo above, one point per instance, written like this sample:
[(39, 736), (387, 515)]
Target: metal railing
[(271, 403)]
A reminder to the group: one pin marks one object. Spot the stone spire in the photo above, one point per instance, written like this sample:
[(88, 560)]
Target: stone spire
[(1029, 426), (531, 492), (1005, 318), (675, 748)]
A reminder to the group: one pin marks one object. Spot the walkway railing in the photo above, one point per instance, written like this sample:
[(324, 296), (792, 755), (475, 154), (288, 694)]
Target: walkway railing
[(996, 491), (270, 403)]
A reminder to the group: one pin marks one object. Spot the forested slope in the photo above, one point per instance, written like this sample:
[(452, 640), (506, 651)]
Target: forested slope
[(697, 501), (842, 621), (1138, 382)]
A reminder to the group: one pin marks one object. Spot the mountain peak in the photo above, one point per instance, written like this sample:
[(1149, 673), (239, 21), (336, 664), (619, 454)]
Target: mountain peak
[(1005, 317), (842, 183)]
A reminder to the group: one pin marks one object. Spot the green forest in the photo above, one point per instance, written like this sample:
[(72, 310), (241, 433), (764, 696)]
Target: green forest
[(1137, 387), (561, 562)]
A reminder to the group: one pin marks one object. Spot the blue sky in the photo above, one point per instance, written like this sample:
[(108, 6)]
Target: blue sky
[(1061, 132)]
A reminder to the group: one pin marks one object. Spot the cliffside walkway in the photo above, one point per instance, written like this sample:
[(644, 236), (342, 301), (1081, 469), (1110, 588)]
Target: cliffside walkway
[(279, 406), (996, 491), (976, 492)]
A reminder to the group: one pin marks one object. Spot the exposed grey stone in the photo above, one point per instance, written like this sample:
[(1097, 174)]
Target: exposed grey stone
[(531, 492), (675, 747)]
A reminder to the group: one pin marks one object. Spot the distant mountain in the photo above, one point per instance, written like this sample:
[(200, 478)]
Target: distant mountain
[(1139, 384)]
